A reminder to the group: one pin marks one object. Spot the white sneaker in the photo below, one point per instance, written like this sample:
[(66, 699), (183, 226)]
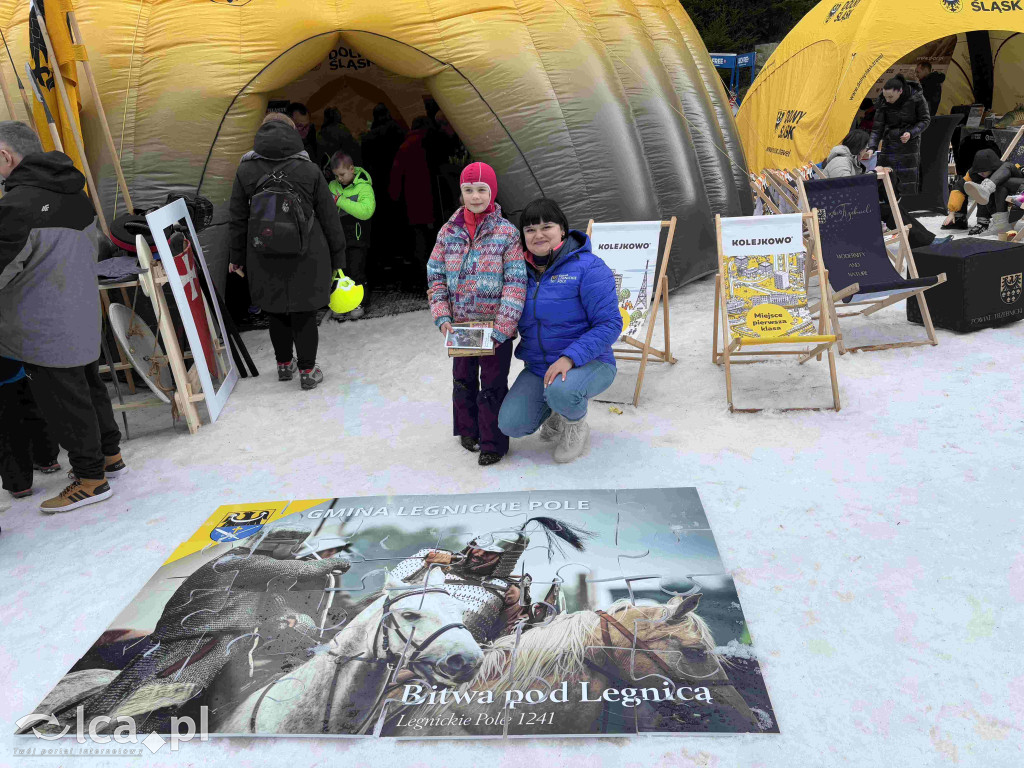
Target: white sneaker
[(552, 428), (573, 441), (980, 193)]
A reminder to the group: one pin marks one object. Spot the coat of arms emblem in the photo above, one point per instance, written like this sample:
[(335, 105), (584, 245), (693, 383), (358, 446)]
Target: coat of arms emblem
[(1010, 287), (239, 525)]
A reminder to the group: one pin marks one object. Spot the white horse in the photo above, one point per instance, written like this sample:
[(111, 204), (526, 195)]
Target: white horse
[(418, 628)]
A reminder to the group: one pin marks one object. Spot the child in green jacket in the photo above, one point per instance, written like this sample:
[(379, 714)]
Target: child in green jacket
[(353, 193)]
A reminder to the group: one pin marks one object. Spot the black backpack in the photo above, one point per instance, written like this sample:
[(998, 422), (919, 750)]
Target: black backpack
[(280, 216)]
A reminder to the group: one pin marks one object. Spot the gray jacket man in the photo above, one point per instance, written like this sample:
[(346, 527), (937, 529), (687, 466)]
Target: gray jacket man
[(50, 308)]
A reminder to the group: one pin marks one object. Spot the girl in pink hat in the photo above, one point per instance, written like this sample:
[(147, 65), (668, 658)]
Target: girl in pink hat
[(476, 273)]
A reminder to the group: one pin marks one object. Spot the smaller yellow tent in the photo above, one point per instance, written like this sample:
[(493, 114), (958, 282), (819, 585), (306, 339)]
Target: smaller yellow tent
[(806, 97)]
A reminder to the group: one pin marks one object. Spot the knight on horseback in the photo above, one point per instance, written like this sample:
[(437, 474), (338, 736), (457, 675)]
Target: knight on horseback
[(220, 613), (481, 576)]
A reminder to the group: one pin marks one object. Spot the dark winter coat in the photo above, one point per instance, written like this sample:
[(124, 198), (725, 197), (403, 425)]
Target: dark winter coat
[(571, 309), (908, 114), (299, 283), (49, 299), (410, 176), (336, 137), (931, 86)]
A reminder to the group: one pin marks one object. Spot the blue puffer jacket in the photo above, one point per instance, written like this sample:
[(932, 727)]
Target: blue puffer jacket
[(571, 309)]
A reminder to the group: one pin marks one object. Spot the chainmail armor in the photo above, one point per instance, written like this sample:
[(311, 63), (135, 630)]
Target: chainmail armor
[(484, 597)]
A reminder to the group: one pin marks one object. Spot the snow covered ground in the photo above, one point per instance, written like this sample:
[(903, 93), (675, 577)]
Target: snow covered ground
[(878, 551)]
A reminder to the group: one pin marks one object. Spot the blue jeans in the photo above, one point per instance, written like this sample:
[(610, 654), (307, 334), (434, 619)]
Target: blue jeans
[(528, 404)]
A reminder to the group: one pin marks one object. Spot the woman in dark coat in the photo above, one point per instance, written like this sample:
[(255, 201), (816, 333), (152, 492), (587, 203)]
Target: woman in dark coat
[(901, 115), (290, 289)]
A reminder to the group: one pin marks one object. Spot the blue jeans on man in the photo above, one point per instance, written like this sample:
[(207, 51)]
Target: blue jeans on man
[(529, 403)]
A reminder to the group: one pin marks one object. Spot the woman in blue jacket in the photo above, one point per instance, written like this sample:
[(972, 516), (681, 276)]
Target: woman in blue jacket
[(569, 323)]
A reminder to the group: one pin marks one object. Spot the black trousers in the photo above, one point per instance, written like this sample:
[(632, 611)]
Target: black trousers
[(355, 261), (24, 437), (77, 409), (296, 329)]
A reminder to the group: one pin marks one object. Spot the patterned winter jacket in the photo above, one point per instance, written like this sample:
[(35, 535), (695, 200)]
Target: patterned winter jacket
[(480, 280)]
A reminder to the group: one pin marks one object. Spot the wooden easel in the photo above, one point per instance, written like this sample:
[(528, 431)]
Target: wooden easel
[(186, 388), (645, 352)]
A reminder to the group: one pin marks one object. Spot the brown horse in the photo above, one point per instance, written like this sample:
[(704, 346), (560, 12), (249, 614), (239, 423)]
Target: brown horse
[(586, 672)]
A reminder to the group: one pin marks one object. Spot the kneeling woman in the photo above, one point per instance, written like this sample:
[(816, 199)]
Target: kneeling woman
[(569, 323)]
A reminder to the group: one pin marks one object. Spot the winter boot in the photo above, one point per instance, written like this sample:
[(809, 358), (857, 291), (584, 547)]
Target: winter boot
[(471, 444), (573, 441), (78, 494), (981, 228), (47, 469), (286, 371), (310, 378), (487, 458), (980, 193), (114, 466), (553, 427), (21, 494), (356, 313), (999, 225)]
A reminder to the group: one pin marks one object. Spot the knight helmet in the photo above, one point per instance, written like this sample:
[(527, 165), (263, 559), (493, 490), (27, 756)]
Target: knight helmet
[(511, 544)]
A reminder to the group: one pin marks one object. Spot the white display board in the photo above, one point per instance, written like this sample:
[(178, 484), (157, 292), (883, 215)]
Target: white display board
[(630, 248), (200, 313)]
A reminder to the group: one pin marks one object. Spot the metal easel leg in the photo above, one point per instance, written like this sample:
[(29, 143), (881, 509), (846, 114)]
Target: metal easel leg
[(117, 385)]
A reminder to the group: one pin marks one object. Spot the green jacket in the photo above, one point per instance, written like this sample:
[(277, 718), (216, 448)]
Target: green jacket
[(356, 205)]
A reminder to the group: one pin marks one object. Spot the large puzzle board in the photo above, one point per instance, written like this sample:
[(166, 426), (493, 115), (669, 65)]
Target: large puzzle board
[(288, 617)]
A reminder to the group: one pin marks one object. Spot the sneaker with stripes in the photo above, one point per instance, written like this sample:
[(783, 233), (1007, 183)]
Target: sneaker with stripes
[(114, 466), (78, 494)]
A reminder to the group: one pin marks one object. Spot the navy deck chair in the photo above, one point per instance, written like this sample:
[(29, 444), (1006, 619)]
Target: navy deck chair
[(862, 271)]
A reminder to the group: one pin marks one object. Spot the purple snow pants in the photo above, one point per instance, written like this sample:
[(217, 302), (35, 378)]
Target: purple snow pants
[(480, 386)]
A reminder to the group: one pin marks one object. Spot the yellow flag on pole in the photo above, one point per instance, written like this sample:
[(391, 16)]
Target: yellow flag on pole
[(67, 54)]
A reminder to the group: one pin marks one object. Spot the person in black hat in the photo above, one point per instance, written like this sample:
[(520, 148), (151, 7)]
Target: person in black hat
[(987, 183)]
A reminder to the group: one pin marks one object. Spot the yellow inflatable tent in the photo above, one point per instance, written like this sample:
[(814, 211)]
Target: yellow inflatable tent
[(805, 99), (611, 107)]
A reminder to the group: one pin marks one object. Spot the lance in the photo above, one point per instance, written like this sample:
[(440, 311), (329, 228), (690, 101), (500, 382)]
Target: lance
[(50, 123), (21, 86), (99, 109)]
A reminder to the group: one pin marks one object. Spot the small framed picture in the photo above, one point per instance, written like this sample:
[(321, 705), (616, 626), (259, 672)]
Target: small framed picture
[(469, 339)]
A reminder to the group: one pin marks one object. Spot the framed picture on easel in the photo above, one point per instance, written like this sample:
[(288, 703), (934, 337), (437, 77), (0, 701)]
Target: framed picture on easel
[(190, 282), (631, 250)]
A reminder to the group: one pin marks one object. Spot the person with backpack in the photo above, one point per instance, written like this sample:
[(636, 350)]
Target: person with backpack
[(284, 233), (352, 190)]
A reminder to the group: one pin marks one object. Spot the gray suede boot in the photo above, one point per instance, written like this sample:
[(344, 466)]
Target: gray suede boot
[(573, 441), (553, 427)]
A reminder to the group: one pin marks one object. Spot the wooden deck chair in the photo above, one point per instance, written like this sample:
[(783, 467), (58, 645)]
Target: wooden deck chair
[(759, 186), (862, 271), (761, 296), (1014, 152)]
